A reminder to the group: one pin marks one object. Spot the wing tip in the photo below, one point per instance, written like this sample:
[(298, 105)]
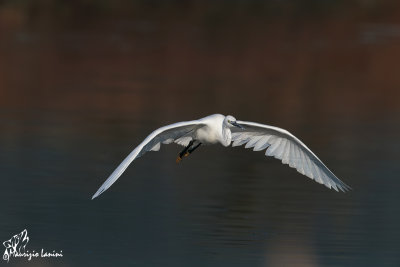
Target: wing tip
[(346, 188), (342, 187), (98, 193), (94, 196)]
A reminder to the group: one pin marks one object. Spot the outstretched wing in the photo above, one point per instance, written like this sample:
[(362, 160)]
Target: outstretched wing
[(284, 146), (180, 133)]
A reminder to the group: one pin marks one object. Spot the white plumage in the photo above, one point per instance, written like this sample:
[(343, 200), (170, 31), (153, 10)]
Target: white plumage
[(226, 130)]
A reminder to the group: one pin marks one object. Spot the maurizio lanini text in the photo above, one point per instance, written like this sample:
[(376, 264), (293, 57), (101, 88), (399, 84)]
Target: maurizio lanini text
[(35, 254)]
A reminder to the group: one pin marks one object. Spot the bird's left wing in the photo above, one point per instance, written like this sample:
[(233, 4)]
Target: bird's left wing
[(282, 145), (179, 133)]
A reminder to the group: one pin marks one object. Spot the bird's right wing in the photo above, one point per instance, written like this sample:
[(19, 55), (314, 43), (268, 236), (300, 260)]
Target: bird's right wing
[(179, 133), (282, 145)]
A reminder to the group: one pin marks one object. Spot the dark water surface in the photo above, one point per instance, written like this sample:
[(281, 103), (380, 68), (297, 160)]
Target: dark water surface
[(78, 91)]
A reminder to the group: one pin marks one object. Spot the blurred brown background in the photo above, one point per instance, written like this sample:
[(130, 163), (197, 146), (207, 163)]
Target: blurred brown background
[(273, 58)]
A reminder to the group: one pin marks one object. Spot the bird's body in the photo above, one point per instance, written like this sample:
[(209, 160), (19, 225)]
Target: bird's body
[(227, 130), (213, 131)]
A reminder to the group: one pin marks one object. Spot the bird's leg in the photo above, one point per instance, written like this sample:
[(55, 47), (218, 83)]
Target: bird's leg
[(187, 151), (193, 148), (184, 152)]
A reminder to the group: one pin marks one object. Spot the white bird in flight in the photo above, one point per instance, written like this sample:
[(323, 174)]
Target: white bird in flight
[(227, 130)]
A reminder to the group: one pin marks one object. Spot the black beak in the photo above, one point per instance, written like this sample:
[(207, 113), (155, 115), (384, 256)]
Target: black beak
[(237, 125)]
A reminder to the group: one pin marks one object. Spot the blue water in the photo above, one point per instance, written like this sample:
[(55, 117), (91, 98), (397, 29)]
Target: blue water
[(219, 207)]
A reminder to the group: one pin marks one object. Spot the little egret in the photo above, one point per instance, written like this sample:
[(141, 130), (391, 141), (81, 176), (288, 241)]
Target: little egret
[(225, 130)]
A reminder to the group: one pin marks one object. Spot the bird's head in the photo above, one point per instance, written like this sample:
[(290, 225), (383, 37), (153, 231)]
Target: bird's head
[(230, 121)]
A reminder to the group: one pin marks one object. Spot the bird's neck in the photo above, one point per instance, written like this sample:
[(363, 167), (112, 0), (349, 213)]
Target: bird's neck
[(226, 136)]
